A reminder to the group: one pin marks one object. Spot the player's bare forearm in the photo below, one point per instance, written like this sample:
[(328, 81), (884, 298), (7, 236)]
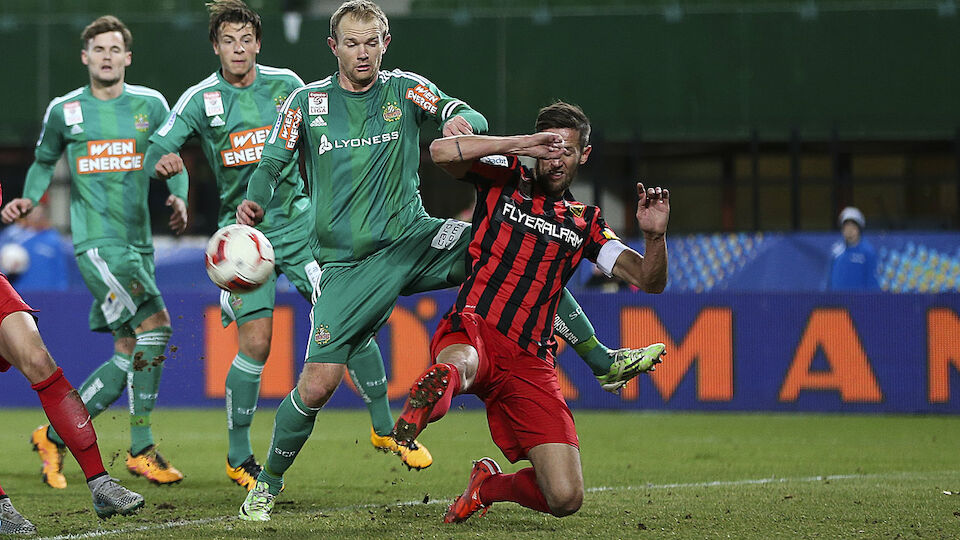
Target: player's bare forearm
[(456, 154), (649, 272)]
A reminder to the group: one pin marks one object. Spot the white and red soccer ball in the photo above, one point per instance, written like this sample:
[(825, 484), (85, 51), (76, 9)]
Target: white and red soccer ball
[(239, 258)]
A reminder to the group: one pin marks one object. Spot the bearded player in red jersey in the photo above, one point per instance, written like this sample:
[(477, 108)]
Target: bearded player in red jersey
[(22, 347), (497, 342)]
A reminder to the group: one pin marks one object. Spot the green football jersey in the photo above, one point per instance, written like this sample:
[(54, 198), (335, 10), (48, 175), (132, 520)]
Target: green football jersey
[(362, 152), (232, 125), (105, 143)]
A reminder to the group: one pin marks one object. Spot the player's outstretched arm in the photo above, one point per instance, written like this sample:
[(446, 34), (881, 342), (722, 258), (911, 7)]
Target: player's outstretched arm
[(456, 154), (648, 272)]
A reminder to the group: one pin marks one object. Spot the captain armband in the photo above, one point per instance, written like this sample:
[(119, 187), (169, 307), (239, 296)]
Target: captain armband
[(608, 255)]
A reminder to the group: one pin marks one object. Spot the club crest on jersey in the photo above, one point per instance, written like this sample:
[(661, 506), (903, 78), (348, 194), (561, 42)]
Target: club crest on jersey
[(576, 209), (135, 287), (317, 103), (141, 122), (322, 335), (391, 111), (278, 101), (236, 302)]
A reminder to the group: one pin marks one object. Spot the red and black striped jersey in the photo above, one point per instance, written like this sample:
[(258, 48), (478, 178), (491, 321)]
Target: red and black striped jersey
[(524, 247)]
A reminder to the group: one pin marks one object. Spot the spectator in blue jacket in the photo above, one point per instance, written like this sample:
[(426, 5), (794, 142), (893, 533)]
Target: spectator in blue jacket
[(854, 265)]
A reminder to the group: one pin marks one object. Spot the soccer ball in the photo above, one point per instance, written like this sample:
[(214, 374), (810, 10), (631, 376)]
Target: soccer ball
[(14, 259), (239, 258)]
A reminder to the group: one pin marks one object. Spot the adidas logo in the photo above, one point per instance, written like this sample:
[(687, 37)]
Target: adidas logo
[(318, 122), (77, 128), (217, 122)]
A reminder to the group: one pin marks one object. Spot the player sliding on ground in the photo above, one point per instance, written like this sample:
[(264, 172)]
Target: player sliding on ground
[(103, 127), (529, 234)]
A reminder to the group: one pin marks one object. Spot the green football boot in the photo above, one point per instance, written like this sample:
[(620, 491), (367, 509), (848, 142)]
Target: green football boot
[(628, 363), (258, 504)]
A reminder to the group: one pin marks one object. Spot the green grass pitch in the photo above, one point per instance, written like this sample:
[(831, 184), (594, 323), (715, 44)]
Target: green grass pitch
[(648, 475)]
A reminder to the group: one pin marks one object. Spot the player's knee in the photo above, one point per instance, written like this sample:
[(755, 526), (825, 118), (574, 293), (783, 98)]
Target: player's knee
[(565, 502), (37, 364), (256, 346), (314, 391), (158, 319)]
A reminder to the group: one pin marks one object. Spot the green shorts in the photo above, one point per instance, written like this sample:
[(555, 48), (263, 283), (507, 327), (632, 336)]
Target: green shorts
[(353, 300), (123, 285), (293, 258)]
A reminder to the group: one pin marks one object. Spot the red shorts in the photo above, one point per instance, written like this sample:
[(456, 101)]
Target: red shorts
[(10, 302), (525, 407)]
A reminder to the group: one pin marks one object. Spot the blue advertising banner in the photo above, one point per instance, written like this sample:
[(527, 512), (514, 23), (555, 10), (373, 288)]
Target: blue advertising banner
[(726, 351)]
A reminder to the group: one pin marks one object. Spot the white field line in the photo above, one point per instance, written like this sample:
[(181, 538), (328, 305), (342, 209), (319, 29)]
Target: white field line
[(717, 483)]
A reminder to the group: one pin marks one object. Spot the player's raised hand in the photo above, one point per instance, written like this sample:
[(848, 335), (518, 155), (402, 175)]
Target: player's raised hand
[(168, 165), (456, 125), (178, 214), (543, 145), (249, 213), (15, 209), (653, 209)]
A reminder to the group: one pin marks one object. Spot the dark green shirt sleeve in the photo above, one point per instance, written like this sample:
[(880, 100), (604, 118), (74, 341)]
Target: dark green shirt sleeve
[(166, 140), (264, 180), (279, 150), (49, 148)]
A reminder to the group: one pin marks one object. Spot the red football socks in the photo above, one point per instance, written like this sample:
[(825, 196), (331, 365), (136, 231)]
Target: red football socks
[(520, 487), (70, 419)]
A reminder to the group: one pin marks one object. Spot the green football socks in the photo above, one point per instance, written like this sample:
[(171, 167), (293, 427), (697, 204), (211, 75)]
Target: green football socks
[(143, 382), (291, 429), (242, 391), (572, 325), (366, 370)]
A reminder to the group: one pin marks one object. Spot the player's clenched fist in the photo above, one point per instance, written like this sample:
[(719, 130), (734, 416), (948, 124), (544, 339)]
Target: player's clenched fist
[(249, 213), (168, 165), (15, 209)]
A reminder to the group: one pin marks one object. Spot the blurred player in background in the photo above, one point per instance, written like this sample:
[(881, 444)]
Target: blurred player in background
[(231, 112), (22, 347), (361, 129), (529, 235), (104, 127)]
